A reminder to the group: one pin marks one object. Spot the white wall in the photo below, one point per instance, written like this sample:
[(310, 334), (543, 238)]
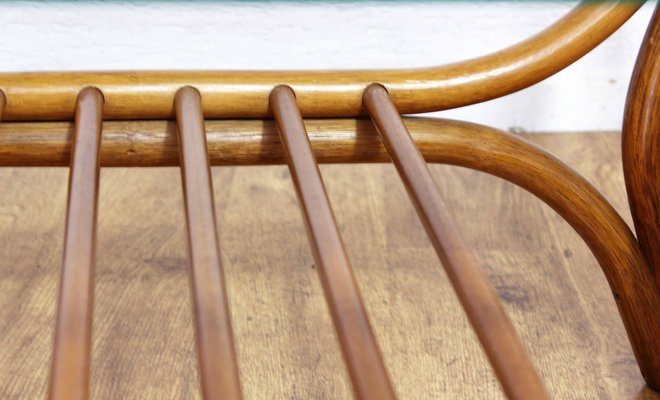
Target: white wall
[(96, 35)]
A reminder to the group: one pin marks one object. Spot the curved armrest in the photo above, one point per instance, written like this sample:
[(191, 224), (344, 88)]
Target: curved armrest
[(244, 94)]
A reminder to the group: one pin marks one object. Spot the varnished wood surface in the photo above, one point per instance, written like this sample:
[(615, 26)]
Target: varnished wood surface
[(444, 141), (356, 338), (240, 94), (3, 102), (496, 334), (70, 365), (143, 343), (641, 147), (218, 368)]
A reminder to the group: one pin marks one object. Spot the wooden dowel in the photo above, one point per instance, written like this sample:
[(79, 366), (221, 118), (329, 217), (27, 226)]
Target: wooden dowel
[(215, 343), (484, 310), (244, 94), (358, 344), (70, 368)]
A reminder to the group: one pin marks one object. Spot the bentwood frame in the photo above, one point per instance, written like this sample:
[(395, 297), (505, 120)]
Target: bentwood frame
[(238, 102)]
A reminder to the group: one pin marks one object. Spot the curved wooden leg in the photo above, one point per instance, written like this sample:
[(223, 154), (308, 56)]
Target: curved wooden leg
[(641, 146), (582, 206)]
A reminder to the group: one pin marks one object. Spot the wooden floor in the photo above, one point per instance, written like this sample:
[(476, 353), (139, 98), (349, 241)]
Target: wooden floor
[(143, 339)]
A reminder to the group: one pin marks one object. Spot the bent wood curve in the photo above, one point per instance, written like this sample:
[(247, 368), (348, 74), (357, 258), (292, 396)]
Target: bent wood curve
[(244, 94), (641, 146), (252, 142)]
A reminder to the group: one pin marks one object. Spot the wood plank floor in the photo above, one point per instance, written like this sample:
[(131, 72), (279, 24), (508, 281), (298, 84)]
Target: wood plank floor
[(143, 337)]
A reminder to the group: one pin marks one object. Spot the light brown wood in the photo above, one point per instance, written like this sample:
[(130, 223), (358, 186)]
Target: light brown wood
[(219, 373), (3, 102), (496, 334), (358, 344), (241, 94), (641, 148), (144, 345), (70, 365)]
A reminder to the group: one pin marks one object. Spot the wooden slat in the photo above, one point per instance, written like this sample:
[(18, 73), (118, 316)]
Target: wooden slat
[(70, 368), (494, 329), (360, 350), (215, 343)]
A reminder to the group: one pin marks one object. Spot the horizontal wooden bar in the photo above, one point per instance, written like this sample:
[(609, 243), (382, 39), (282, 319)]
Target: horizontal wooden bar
[(70, 367), (495, 331), (218, 368), (252, 142), (358, 344), (244, 94)]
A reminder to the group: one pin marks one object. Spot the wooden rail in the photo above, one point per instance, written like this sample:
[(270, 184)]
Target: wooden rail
[(244, 94)]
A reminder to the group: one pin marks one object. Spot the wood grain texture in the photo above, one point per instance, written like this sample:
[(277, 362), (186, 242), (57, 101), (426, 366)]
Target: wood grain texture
[(3, 102), (641, 147), (496, 334), (218, 367), (144, 346), (443, 141), (241, 94), (70, 365), (358, 344)]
